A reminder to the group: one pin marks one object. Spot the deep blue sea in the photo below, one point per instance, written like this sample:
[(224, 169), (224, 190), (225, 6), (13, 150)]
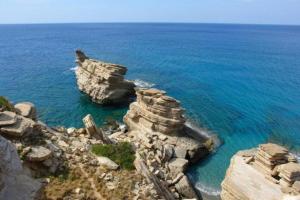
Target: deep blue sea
[(241, 82)]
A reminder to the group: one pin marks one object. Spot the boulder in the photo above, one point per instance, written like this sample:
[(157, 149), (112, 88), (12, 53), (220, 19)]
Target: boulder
[(7, 118), (103, 82), (15, 125), (26, 109), (178, 165), (185, 188), (107, 163), (38, 154)]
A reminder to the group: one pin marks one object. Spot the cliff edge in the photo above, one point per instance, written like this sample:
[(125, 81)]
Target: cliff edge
[(267, 173)]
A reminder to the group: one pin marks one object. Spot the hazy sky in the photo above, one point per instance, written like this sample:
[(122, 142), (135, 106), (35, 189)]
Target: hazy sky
[(204, 11)]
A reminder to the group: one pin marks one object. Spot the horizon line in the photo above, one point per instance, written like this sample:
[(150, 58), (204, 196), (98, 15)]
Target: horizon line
[(216, 23)]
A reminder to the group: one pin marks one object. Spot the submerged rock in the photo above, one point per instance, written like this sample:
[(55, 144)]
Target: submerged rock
[(265, 173), (103, 82)]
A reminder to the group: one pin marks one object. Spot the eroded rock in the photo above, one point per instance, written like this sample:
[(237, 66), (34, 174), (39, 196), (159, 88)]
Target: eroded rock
[(265, 173), (103, 82)]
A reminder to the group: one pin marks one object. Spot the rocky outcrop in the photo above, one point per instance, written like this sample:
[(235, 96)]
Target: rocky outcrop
[(103, 82), (14, 182), (163, 142), (156, 115), (267, 173)]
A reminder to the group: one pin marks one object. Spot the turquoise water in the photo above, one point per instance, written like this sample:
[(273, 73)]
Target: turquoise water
[(239, 81)]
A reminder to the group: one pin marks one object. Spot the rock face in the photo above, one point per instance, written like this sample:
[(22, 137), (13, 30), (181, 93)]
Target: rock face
[(103, 82), (14, 183), (266, 173)]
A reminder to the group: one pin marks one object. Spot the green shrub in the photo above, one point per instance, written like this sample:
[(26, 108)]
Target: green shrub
[(5, 104), (121, 153)]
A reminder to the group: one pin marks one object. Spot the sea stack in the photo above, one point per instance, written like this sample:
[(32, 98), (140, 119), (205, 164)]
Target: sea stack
[(267, 173), (103, 82)]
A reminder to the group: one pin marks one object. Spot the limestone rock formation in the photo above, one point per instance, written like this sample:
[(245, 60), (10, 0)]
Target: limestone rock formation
[(155, 113), (267, 173), (14, 182), (103, 82), (163, 141)]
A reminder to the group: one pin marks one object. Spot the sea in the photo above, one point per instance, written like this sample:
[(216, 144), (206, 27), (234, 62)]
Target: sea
[(239, 83)]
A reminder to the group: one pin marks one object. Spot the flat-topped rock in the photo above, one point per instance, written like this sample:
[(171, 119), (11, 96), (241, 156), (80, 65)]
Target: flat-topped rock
[(103, 82), (7, 118), (21, 126), (26, 109), (38, 154), (273, 150)]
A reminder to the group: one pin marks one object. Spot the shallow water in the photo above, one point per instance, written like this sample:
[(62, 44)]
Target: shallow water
[(239, 81)]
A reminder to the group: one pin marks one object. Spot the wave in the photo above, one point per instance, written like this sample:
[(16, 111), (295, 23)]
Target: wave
[(207, 190), (297, 155), (73, 68), (143, 84)]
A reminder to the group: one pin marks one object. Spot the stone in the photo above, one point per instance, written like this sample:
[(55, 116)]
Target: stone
[(185, 188), (21, 126), (71, 130), (103, 82), (38, 154), (7, 118), (62, 144), (77, 190), (26, 109), (93, 131), (107, 163), (178, 165), (180, 152)]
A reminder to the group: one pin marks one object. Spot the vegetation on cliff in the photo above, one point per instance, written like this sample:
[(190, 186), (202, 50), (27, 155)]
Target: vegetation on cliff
[(5, 104), (121, 153)]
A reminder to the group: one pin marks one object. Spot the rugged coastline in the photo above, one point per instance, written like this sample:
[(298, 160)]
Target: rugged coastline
[(51, 154)]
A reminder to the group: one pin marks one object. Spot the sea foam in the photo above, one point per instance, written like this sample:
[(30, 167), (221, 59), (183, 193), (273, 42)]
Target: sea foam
[(143, 84), (207, 190)]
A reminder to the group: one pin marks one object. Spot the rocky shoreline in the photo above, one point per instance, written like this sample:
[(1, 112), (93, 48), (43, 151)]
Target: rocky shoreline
[(146, 158), (48, 154)]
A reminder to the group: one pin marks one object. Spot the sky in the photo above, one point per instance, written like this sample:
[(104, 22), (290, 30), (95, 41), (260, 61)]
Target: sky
[(189, 11)]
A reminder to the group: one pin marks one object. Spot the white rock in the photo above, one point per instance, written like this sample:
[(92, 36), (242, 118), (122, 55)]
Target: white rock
[(107, 163)]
